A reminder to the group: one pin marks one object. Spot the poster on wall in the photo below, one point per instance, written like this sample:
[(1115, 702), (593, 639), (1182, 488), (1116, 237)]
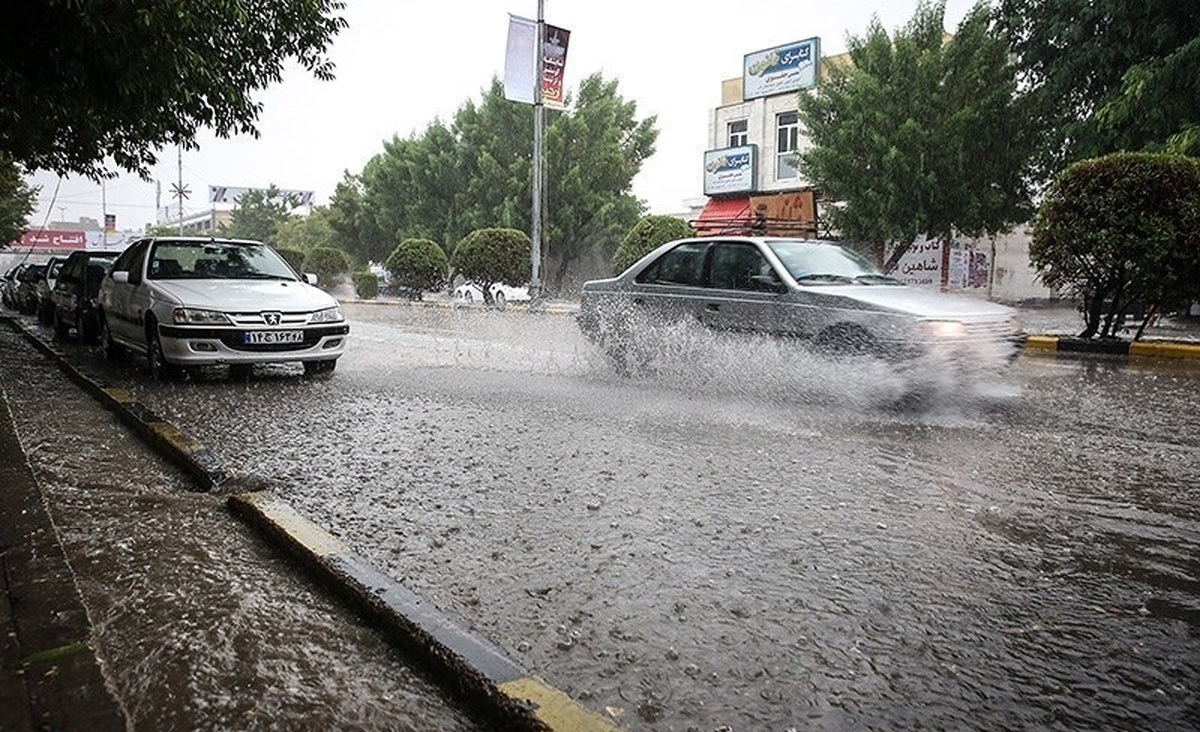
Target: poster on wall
[(969, 267), (730, 170), (781, 70)]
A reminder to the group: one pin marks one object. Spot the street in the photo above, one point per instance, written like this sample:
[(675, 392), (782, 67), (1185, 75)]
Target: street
[(749, 538)]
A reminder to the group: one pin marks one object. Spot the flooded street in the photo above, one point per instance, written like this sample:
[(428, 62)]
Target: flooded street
[(750, 538)]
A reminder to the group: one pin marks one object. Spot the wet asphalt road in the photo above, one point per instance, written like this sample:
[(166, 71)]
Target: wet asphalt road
[(747, 538)]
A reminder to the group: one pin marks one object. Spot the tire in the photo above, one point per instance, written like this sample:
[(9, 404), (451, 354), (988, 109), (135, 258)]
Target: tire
[(61, 329), (45, 312), (87, 328), (156, 363), (316, 368), (112, 349), (500, 300)]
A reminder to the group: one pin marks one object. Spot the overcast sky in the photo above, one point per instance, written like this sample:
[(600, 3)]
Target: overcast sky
[(402, 64)]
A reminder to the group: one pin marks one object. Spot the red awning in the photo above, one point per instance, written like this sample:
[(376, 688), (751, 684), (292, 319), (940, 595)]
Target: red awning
[(723, 216)]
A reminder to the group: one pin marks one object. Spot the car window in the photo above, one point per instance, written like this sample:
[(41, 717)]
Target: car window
[(682, 265), (733, 265), (217, 260), (131, 260)]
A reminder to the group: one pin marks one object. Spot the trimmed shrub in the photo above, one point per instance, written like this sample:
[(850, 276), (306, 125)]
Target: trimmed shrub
[(647, 235), (366, 284), (418, 265), (488, 256), (1119, 230), (327, 263), (294, 257)]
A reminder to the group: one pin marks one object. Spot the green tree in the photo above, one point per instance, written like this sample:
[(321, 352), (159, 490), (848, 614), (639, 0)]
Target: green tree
[(16, 201), (83, 80), (1105, 75), (488, 256), (327, 263), (1119, 229), (366, 284), (647, 235), (305, 233), (418, 264), (294, 257), (919, 134), (476, 173), (258, 215), (353, 229)]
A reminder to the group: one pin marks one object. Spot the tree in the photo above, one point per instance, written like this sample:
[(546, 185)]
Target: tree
[(418, 264), (354, 231), (475, 173), (305, 233), (1106, 75), (258, 215), (327, 263), (1120, 229), (81, 81), (16, 201), (647, 235), (488, 256), (366, 284), (919, 134)]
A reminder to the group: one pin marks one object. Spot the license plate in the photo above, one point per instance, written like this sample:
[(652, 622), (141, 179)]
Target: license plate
[(260, 337)]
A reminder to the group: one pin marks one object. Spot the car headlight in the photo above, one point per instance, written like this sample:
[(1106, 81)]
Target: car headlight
[(943, 328), (328, 315), (192, 316)]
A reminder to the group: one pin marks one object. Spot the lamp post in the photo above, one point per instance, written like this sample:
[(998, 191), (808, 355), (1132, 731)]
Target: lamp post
[(539, 121)]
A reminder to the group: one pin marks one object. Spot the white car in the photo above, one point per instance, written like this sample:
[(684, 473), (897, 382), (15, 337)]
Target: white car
[(502, 294), (191, 301)]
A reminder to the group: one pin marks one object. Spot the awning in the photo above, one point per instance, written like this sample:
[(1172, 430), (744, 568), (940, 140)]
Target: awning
[(723, 216)]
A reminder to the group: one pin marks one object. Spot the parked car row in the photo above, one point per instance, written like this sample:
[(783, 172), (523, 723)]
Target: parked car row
[(19, 288), (181, 302)]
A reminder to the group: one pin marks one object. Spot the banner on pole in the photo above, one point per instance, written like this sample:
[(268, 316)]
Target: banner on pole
[(520, 62)]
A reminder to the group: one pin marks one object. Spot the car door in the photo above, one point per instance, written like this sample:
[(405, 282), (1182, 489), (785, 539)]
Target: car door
[(671, 288), (745, 292), (118, 293)]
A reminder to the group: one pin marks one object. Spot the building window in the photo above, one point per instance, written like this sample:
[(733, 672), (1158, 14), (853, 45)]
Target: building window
[(787, 140), (738, 135)]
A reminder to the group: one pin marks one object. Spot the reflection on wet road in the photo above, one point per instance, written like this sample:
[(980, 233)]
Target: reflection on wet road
[(746, 538)]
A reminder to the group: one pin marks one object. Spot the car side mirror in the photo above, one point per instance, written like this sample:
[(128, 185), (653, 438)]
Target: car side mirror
[(121, 277), (310, 278), (767, 283)]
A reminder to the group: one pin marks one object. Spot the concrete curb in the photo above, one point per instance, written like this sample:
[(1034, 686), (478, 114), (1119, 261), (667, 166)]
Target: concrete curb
[(549, 309), (475, 668), (1146, 349)]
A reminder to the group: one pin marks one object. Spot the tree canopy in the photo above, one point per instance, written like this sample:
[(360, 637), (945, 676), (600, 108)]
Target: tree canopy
[(491, 255), (475, 172), (418, 264), (16, 202), (1121, 229), (1106, 75), (259, 214), (86, 81), (919, 133)]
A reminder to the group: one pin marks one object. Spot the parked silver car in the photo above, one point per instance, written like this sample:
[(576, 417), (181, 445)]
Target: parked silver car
[(191, 301), (813, 290)]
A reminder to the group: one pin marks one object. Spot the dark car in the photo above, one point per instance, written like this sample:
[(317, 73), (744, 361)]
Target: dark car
[(45, 286), (25, 296), (8, 286), (74, 294)]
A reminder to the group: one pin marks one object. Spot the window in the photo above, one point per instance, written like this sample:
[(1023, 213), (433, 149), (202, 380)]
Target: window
[(738, 132), (683, 265), (787, 141), (735, 264)]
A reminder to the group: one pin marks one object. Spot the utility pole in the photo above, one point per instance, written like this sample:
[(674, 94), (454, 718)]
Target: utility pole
[(539, 121), (104, 212), (179, 169)]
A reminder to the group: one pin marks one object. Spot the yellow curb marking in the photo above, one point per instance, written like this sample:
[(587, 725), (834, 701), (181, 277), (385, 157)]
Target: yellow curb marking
[(312, 537), (120, 396), (1044, 343), (172, 434), (1164, 350), (554, 708)]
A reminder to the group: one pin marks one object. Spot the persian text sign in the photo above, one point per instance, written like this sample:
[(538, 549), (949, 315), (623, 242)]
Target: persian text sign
[(921, 265), (520, 62), (730, 170), (47, 239), (780, 70)]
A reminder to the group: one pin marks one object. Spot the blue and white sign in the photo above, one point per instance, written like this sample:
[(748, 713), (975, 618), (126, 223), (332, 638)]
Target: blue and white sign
[(730, 170), (781, 70)]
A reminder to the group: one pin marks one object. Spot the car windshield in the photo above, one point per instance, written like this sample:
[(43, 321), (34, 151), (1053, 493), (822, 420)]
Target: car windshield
[(815, 263), (210, 260)]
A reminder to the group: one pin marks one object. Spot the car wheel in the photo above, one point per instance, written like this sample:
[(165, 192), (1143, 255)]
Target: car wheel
[(501, 301), (156, 363), (313, 368), (240, 371), (61, 329), (846, 340), (45, 313), (468, 296), (111, 348), (86, 327)]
